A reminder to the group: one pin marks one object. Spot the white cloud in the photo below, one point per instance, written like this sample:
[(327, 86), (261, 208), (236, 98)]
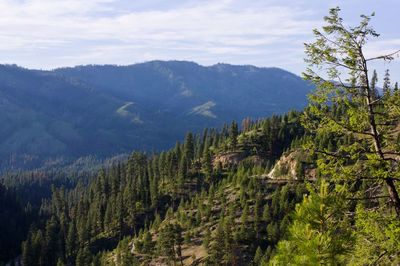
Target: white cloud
[(52, 33), (377, 48), (38, 32), (381, 47)]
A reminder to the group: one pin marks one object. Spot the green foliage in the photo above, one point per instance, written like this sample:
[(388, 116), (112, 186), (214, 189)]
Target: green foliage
[(233, 134), (377, 238), (361, 127), (169, 242), (133, 197), (83, 258), (258, 257), (207, 237), (319, 233), (122, 255), (217, 250), (354, 142)]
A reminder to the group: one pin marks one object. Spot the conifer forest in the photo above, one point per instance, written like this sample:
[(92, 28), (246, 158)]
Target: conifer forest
[(311, 184)]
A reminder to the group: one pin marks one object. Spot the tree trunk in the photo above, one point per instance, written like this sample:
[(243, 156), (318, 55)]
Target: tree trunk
[(394, 196)]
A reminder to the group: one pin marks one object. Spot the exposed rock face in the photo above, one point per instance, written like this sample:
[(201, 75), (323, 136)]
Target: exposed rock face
[(285, 168), (228, 159), (233, 158), (292, 166)]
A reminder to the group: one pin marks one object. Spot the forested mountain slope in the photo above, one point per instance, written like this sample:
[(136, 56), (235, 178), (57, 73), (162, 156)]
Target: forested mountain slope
[(316, 187), (107, 110), (82, 223)]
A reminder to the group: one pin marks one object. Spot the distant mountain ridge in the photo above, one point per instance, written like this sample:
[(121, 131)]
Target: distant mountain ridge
[(108, 109)]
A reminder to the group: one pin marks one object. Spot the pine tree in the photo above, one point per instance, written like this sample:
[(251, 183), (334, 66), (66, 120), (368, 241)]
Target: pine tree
[(178, 240), (71, 243), (266, 214), (229, 257), (258, 256), (216, 249), (83, 257), (257, 215), (372, 123), (28, 253), (189, 147), (166, 242), (320, 233), (272, 232), (207, 237), (374, 91), (244, 230), (377, 238), (38, 247), (233, 134), (51, 244), (207, 166), (147, 243), (360, 127), (154, 182), (386, 83), (183, 170)]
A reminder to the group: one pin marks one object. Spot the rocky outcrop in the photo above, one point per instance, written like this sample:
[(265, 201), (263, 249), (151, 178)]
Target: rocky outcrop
[(229, 158), (292, 166)]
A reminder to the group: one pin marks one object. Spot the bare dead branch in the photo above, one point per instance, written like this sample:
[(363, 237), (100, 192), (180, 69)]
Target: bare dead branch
[(369, 198), (384, 57)]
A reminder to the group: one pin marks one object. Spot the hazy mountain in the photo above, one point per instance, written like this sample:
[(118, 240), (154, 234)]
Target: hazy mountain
[(106, 110)]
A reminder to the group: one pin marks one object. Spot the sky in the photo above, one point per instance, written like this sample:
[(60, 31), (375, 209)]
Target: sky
[(46, 34)]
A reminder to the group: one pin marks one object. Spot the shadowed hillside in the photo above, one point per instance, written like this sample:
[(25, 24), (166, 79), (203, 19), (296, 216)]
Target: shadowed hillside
[(105, 110)]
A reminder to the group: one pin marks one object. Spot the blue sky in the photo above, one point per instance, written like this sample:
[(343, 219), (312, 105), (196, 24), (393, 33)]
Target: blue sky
[(47, 34)]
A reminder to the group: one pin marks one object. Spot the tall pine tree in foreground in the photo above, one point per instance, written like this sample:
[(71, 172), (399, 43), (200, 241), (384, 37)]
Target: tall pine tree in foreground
[(361, 160), (320, 232), (344, 106)]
